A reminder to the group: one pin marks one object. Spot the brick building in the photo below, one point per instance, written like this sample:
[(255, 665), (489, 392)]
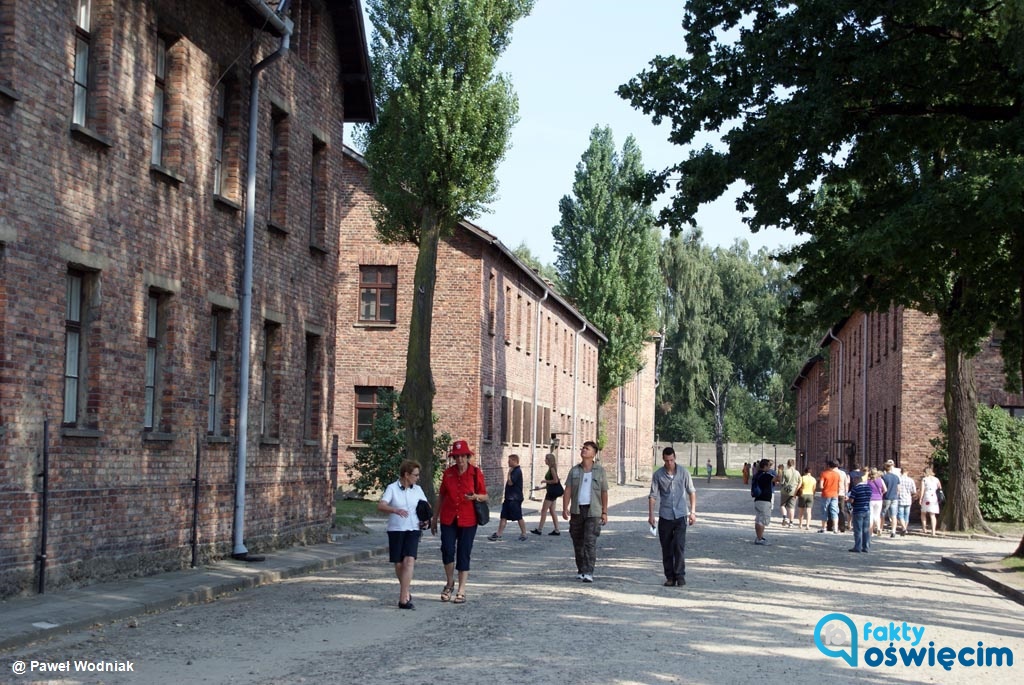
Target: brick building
[(123, 297), (511, 359), (884, 391), (628, 423)]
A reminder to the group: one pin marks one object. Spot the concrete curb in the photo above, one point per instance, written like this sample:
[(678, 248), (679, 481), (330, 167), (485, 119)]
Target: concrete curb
[(965, 570)]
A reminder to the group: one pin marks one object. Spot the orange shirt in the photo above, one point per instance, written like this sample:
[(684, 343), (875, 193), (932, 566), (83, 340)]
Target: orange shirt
[(829, 484)]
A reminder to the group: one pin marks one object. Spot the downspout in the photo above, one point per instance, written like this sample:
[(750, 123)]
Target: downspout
[(839, 425), (283, 25), (864, 389), (536, 390), (576, 387)]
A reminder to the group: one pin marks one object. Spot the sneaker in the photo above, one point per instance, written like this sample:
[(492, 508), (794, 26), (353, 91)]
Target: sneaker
[(536, 532), (522, 538), (852, 550), (680, 581), (494, 537), (579, 576), (554, 532), (760, 541), (587, 578), (822, 531), (892, 534)]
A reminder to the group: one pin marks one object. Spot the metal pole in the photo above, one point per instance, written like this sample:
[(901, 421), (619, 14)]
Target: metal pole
[(41, 558), (195, 507)]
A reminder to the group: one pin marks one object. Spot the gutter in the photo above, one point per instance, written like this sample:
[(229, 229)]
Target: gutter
[(283, 25), (536, 389), (839, 426), (576, 385)]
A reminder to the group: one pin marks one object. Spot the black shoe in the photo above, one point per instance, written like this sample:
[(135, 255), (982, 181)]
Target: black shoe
[(680, 581), (671, 582), (536, 532), (406, 605), (554, 532)]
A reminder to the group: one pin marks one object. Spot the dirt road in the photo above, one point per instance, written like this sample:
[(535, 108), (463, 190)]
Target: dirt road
[(748, 613)]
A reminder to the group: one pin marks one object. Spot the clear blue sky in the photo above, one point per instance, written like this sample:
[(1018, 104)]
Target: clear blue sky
[(565, 61)]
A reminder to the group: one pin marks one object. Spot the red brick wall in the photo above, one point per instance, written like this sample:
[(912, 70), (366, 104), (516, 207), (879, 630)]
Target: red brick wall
[(475, 365), (627, 419), (120, 503), (890, 400), (812, 407)]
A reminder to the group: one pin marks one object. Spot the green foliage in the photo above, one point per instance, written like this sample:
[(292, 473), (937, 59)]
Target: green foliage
[(890, 133), (1001, 486), (545, 271), (692, 424), (377, 464), (607, 251), (444, 115)]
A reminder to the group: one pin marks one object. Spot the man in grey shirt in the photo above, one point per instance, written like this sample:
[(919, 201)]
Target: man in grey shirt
[(672, 487)]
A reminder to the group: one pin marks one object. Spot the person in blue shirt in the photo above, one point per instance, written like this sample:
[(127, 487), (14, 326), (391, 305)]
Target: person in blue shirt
[(673, 489), (860, 499)]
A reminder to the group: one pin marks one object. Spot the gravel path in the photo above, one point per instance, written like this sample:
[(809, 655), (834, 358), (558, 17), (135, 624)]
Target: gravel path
[(748, 613)]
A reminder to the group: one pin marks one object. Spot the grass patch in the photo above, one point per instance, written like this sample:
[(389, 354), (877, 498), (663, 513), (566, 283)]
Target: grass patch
[(1013, 564), (1010, 529), (349, 513)]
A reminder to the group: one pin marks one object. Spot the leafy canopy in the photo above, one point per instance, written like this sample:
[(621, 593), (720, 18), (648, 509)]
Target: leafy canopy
[(607, 254), (445, 116)]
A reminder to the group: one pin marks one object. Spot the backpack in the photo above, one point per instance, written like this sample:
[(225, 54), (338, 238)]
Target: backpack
[(755, 487)]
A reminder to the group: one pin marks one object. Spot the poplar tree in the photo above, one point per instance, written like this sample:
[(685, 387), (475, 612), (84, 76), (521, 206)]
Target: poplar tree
[(444, 121), (606, 251)]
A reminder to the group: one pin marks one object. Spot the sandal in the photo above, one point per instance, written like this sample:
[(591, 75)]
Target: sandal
[(446, 593), (460, 598)]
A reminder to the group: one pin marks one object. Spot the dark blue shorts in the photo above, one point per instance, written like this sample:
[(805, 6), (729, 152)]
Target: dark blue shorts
[(402, 544), (457, 545), (512, 511)]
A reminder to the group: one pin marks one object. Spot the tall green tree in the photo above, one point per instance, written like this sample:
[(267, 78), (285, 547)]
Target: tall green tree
[(607, 254), (888, 132), (443, 126), (545, 271)]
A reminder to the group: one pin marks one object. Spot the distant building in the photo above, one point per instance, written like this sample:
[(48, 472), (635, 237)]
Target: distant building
[(514, 364), (124, 132), (884, 391)]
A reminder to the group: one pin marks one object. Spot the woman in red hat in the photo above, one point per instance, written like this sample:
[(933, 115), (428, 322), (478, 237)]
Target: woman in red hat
[(461, 486)]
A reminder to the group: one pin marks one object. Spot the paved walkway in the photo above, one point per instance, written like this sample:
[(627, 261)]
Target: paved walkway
[(26, 620)]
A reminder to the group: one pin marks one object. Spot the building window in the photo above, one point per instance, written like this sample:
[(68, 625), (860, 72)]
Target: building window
[(304, 34), (508, 315), (269, 360), (83, 48), (377, 291), (528, 437), (76, 344), (368, 405), (312, 395), (277, 188), (529, 327), (492, 302), (159, 98), (519, 320), (6, 44), (318, 195), (215, 387), (517, 421), (488, 418), (156, 343), (506, 423)]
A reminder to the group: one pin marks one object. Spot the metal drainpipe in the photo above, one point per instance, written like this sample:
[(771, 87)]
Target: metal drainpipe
[(536, 390), (576, 387), (864, 388), (239, 550), (839, 424)]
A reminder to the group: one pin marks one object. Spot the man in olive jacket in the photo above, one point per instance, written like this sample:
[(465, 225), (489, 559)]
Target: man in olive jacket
[(586, 498)]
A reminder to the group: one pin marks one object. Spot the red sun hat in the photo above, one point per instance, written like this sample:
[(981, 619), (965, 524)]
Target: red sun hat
[(459, 448)]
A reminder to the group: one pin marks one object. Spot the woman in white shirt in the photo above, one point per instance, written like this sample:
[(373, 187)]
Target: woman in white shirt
[(930, 487), (404, 527)]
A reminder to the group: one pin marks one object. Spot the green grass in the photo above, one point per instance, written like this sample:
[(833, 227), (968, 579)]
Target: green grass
[(1014, 563), (1010, 529), (349, 513)]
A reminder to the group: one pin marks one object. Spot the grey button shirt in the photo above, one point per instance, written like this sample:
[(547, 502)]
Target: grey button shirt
[(672, 493)]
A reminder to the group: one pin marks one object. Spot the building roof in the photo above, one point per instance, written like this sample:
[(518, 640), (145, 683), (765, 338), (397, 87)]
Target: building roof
[(492, 240), (353, 53), (804, 370)]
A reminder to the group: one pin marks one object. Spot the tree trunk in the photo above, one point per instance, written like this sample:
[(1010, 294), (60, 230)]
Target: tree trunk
[(417, 398), (961, 511), (1020, 548), (718, 400)]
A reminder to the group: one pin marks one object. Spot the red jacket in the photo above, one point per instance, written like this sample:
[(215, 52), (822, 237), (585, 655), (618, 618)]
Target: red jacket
[(454, 488)]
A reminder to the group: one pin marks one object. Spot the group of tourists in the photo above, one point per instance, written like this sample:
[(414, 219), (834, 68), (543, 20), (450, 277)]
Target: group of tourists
[(864, 502)]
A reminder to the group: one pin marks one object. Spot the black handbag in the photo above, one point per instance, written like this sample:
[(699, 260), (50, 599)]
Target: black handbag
[(483, 512), (423, 511), (941, 496)]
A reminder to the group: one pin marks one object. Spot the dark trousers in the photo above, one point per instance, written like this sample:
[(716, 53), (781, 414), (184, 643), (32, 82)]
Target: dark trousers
[(845, 521), (583, 530), (672, 534)]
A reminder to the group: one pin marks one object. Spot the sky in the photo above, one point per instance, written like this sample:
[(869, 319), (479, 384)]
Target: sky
[(565, 61)]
